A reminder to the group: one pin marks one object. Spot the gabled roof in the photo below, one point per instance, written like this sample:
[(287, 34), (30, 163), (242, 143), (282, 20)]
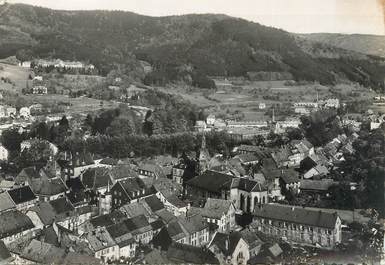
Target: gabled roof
[(48, 187), (22, 195), (123, 171), (192, 224), (317, 185), (41, 252), (247, 158), (216, 208), (56, 210), (137, 224), (226, 243), (297, 215), (96, 178), (154, 203), (186, 254), (6, 203), (212, 181), (108, 161), (14, 222), (290, 176), (247, 185), (135, 188)]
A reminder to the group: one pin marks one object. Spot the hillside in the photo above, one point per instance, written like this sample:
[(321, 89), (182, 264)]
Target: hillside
[(180, 48), (367, 44)]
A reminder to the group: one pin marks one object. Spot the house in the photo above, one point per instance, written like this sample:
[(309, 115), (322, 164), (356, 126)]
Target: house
[(191, 230), (23, 197), (230, 248), (281, 126), (316, 171), (262, 105), (150, 170), (15, 225), (249, 235), (4, 153), (72, 166), (60, 212), (48, 189), (317, 186), (210, 184), (200, 126), (290, 181), (129, 190), (168, 191), (247, 159), (246, 194), (125, 240), (302, 226), (210, 120), (219, 212), (24, 112), (39, 90), (122, 172), (96, 179), (102, 244), (40, 252), (140, 229)]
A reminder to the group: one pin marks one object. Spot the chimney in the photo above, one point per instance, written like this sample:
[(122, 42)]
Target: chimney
[(227, 244)]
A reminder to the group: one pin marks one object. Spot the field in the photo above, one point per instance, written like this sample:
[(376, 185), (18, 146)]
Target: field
[(245, 98), (17, 75)]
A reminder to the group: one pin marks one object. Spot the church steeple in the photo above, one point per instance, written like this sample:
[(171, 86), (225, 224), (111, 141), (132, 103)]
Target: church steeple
[(203, 156)]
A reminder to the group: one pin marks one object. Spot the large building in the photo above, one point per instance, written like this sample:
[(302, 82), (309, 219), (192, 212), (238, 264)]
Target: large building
[(299, 225)]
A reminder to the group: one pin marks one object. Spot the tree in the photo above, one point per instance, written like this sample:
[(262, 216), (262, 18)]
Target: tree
[(11, 139)]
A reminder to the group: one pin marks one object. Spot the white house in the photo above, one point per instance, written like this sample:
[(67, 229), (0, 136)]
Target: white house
[(3, 153), (25, 112)]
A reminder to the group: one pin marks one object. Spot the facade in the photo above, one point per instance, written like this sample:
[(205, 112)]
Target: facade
[(230, 249), (299, 225), (3, 153), (246, 194), (219, 212)]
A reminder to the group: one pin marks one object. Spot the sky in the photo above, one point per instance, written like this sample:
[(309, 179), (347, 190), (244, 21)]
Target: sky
[(300, 16)]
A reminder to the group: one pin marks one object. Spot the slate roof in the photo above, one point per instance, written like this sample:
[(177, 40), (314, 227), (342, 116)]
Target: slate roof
[(22, 195), (96, 178), (317, 185), (221, 239), (290, 176), (216, 208), (56, 210), (134, 185), (48, 187), (192, 224), (247, 185), (100, 239), (41, 252), (136, 223), (108, 161), (297, 215), (6, 202), (186, 254), (247, 158), (14, 222), (122, 172), (154, 203), (76, 197), (212, 181)]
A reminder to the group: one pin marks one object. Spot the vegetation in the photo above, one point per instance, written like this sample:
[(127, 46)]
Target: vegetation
[(185, 49)]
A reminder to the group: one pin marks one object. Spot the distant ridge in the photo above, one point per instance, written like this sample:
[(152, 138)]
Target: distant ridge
[(367, 44)]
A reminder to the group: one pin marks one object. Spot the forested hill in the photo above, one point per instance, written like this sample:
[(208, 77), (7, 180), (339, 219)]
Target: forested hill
[(181, 48), (367, 44)]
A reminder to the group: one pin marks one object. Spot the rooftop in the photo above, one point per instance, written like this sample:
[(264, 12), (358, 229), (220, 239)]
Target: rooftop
[(297, 215)]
